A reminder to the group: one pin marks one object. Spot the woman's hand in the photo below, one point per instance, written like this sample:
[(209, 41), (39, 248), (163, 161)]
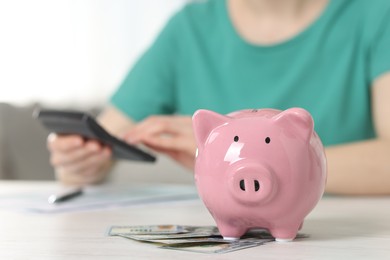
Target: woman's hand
[(171, 135), (78, 161)]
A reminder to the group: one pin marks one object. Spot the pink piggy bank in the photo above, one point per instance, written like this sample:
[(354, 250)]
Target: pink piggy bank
[(261, 168)]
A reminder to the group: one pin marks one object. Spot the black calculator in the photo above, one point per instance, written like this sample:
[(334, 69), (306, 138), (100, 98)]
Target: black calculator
[(80, 123)]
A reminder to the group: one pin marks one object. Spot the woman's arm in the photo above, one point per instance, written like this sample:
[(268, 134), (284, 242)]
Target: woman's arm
[(363, 168), (360, 168)]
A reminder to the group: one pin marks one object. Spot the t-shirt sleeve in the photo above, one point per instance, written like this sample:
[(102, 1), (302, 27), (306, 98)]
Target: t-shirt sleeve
[(380, 47), (148, 88)]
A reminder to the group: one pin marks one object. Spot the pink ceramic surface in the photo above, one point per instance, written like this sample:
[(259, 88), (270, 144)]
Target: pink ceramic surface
[(259, 169)]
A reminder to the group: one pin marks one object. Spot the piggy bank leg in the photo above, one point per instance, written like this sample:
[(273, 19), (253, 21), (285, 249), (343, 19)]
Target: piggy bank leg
[(285, 234), (230, 232)]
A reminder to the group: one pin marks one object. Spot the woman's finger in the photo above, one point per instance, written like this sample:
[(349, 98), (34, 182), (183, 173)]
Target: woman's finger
[(60, 158), (176, 143), (63, 143), (158, 125), (92, 161)]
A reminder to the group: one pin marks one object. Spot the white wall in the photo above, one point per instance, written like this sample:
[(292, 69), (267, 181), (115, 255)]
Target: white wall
[(73, 51)]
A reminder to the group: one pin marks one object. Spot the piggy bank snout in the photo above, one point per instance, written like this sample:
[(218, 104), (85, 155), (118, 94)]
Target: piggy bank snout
[(251, 183)]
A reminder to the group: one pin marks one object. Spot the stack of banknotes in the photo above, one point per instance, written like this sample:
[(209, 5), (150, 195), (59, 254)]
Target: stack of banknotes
[(202, 239)]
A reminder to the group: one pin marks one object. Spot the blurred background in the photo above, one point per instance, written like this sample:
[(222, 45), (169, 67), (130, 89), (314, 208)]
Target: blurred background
[(65, 54)]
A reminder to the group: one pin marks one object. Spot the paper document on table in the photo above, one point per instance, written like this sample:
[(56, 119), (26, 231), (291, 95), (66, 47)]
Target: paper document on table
[(98, 197)]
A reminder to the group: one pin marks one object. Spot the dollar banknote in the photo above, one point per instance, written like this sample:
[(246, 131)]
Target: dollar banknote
[(202, 239)]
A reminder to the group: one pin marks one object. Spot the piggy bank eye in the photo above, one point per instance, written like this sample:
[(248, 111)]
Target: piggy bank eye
[(236, 138), (267, 140)]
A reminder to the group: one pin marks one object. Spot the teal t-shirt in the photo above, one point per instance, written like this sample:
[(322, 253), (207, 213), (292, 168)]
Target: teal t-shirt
[(200, 61)]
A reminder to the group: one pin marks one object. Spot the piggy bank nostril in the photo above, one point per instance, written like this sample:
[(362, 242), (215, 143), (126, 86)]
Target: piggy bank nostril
[(242, 185), (257, 185)]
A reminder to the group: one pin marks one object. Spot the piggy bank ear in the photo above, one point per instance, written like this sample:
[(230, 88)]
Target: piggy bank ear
[(298, 122), (203, 122)]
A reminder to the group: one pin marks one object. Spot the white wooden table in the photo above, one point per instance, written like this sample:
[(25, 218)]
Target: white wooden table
[(339, 228)]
